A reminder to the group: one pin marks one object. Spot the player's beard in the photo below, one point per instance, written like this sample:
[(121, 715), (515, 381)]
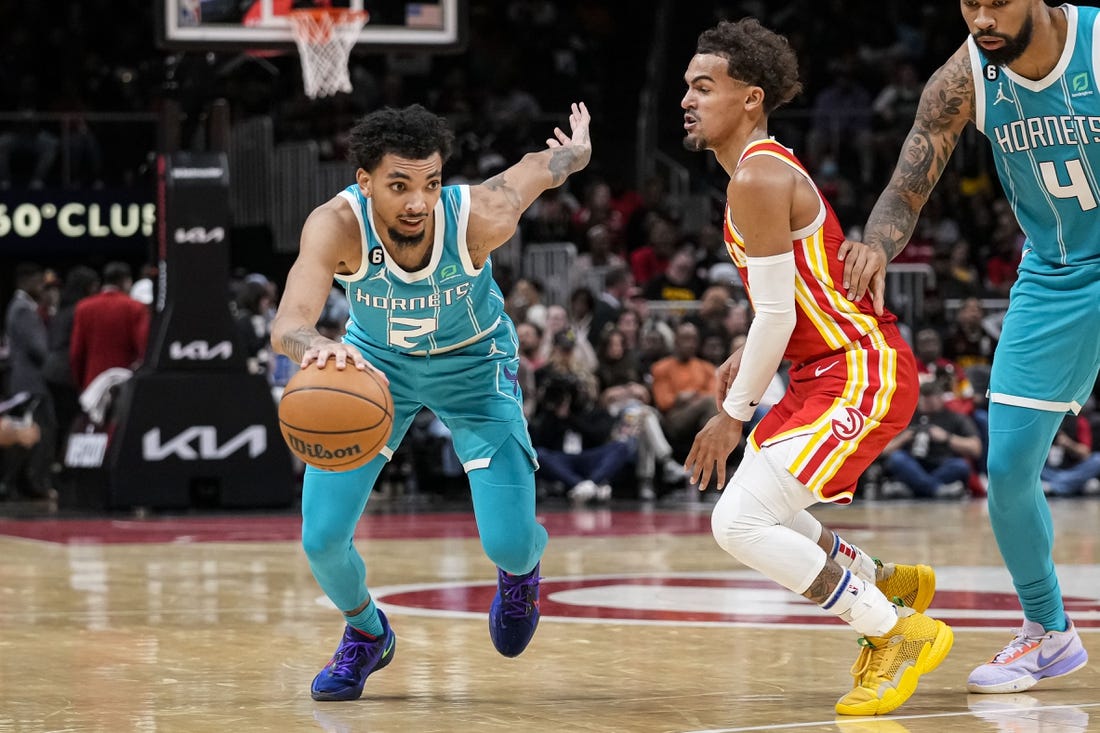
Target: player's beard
[(695, 143), (405, 240), (1014, 45)]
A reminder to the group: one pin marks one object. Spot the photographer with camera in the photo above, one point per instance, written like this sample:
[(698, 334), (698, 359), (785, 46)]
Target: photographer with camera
[(571, 433), (934, 456)]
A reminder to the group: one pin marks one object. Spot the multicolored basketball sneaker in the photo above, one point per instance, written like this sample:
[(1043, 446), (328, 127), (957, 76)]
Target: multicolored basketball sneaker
[(912, 585), (355, 659), (889, 667), (514, 615), (1034, 654)]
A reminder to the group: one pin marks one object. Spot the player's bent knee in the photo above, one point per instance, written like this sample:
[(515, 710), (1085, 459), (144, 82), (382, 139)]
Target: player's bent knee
[(324, 542), (735, 529), (518, 552)]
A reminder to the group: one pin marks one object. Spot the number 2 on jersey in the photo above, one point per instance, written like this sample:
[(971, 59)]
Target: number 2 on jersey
[(405, 337)]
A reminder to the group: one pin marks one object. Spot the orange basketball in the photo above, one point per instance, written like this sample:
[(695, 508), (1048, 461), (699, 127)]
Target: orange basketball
[(336, 419)]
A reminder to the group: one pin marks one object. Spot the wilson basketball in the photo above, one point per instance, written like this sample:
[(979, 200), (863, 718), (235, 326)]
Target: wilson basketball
[(336, 419)]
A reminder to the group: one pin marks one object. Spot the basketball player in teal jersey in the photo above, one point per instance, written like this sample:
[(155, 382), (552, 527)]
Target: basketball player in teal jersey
[(413, 256), (1027, 78)]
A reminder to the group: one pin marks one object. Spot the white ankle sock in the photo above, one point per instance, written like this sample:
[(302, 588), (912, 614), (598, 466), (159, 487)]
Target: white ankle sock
[(861, 605), (848, 555)]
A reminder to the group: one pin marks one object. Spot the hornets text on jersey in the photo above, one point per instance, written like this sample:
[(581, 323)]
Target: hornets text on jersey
[(1045, 136), (448, 304)]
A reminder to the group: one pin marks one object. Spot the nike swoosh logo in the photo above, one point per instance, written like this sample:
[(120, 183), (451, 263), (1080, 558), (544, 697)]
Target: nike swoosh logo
[(1045, 662), (754, 404), (821, 370)]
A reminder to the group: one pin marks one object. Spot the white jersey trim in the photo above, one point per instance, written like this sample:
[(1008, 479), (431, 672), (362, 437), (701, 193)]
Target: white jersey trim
[(1038, 85), (1035, 404), (979, 84), (463, 225), (363, 264), (366, 228), (818, 221)]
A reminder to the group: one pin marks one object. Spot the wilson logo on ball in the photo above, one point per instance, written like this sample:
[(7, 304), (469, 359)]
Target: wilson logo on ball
[(316, 450)]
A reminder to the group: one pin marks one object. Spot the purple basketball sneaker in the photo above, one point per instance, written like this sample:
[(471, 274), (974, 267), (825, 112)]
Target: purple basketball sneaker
[(1033, 655), (514, 615), (355, 659)]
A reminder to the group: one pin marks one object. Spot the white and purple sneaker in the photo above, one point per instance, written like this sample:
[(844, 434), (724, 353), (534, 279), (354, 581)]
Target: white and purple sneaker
[(1035, 654)]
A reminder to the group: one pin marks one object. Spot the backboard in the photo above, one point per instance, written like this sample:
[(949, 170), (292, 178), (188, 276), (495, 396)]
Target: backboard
[(437, 25)]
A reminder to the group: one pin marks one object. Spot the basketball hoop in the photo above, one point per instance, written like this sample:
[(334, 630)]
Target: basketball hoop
[(325, 37)]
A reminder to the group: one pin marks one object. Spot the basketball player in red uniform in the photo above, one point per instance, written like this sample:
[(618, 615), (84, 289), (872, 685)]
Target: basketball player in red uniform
[(853, 380)]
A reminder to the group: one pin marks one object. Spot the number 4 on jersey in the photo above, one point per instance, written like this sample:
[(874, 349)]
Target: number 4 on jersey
[(1078, 187)]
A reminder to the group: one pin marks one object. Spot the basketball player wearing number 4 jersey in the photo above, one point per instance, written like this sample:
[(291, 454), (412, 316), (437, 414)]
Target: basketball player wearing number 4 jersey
[(1027, 78), (413, 256), (853, 385)]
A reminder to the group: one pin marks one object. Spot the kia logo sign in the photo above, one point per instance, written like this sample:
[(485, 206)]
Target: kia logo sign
[(200, 443), (200, 351), (200, 235)]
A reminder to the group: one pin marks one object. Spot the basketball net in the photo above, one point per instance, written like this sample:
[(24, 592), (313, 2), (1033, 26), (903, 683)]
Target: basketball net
[(325, 37)]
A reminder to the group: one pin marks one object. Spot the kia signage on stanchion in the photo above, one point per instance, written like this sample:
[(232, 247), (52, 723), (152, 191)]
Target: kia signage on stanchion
[(194, 426)]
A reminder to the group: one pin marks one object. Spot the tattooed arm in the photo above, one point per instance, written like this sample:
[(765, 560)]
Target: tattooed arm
[(497, 204), (946, 106)]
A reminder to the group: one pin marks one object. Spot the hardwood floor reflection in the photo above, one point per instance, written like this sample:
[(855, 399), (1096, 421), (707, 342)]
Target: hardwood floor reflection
[(215, 624)]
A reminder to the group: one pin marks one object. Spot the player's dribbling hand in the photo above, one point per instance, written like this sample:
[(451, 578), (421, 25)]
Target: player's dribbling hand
[(711, 449), (321, 350), (864, 267)]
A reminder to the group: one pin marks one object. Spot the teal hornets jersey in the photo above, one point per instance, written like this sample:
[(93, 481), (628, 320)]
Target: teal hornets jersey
[(445, 306), (1045, 136)]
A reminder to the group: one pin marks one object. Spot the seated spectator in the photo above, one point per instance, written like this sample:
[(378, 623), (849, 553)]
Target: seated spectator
[(524, 302), (597, 211), (714, 310), (933, 366), (563, 363), (573, 439), (679, 281), (651, 259), (933, 457), (956, 276), (550, 217), (610, 302), (968, 340), (598, 250), (559, 322), (683, 388), (1071, 462), (582, 306), (625, 396)]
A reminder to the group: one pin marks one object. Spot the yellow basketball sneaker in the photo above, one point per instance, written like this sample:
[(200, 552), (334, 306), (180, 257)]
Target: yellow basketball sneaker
[(906, 585), (889, 667)]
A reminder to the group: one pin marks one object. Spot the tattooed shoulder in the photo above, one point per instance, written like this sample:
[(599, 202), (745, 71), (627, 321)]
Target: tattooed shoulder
[(948, 99)]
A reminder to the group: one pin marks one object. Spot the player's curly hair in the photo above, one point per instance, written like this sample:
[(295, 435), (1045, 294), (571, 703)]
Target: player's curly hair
[(756, 56), (411, 132)]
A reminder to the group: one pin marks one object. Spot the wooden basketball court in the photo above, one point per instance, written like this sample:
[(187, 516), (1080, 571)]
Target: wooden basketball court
[(214, 623)]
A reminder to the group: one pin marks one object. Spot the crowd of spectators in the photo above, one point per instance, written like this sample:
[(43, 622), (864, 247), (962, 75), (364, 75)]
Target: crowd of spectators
[(627, 360)]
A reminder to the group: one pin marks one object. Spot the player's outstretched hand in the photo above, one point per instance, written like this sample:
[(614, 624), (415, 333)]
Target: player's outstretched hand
[(864, 268), (579, 120)]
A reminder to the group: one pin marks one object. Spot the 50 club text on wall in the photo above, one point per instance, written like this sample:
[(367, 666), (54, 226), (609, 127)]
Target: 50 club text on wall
[(71, 221)]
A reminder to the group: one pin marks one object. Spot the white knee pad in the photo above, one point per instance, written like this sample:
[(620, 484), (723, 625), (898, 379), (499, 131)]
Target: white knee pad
[(752, 522)]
